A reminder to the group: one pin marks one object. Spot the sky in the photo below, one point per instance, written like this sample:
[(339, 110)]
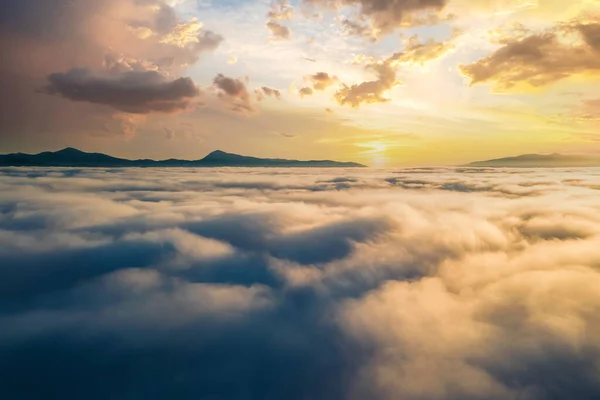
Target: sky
[(383, 82)]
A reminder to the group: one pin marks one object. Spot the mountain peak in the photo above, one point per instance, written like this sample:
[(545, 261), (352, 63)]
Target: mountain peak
[(70, 150), (555, 160), (221, 156), (71, 157), (217, 153)]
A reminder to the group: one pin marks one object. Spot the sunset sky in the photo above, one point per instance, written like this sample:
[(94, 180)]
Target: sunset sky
[(383, 82), (416, 279)]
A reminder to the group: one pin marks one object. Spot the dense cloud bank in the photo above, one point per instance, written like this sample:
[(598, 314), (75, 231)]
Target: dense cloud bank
[(299, 284)]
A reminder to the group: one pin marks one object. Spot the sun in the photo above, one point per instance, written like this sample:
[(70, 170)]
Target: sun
[(375, 150)]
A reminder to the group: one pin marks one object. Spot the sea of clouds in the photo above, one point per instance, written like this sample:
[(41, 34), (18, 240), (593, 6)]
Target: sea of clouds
[(300, 284)]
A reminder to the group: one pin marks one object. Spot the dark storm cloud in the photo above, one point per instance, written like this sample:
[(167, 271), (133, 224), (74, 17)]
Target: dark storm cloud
[(297, 284), (133, 92)]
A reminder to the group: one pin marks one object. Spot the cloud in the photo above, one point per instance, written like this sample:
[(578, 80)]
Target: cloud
[(418, 52), (169, 133), (590, 109), (590, 31), (374, 91), (191, 35), (56, 38), (539, 58), (371, 91), (265, 91), (322, 80), (136, 92), (124, 124), (318, 82), (305, 91), (287, 135), (280, 10), (439, 283), (385, 16), (357, 29), (235, 92), (278, 31)]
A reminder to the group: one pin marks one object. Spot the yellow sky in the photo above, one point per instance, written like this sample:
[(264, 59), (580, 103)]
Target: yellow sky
[(480, 79)]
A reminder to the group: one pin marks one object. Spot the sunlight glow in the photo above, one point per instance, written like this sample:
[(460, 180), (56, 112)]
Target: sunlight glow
[(376, 151)]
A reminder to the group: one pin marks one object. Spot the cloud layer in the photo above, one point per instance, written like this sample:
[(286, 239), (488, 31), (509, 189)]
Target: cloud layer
[(321, 284)]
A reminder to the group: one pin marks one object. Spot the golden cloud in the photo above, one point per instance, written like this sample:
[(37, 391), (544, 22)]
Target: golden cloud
[(539, 58)]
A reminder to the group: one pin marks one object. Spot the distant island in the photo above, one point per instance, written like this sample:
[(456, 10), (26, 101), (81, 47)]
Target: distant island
[(540, 161), (71, 157)]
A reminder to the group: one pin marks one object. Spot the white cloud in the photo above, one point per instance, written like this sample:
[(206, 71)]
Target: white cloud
[(435, 283)]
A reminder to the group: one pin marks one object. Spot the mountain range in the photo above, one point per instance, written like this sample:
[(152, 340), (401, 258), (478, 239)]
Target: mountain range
[(541, 161), (71, 157)]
